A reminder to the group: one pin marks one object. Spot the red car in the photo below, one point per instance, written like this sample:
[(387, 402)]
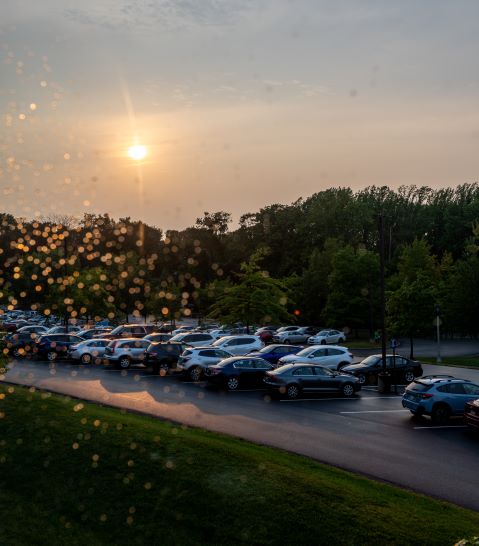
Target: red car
[(471, 414)]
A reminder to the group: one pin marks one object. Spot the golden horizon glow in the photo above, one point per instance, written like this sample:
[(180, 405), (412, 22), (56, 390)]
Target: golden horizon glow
[(137, 152)]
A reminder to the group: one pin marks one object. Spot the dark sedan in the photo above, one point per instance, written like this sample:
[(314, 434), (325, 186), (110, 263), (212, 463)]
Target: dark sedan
[(20, 344), (471, 414), (272, 353), (53, 346), (402, 369), (293, 379), (241, 371)]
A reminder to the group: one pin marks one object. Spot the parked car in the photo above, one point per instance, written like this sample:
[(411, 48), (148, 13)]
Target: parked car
[(300, 335), (124, 352), (53, 346), (194, 361), (89, 351), (182, 330), (162, 357), (233, 373), (19, 344), (239, 345), (292, 380), (94, 332), (471, 414), (63, 329), (327, 336), (131, 330), (195, 339), (32, 329), (266, 333), (220, 332), (158, 337), (272, 353), (334, 357), (440, 396), (404, 371)]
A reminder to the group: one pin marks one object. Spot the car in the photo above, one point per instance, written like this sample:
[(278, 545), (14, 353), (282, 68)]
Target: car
[(158, 337), (163, 356), (20, 344), (334, 357), (130, 330), (439, 396), (63, 329), (218, 333), (292, 380), (272, 353), (265, 333), (53, 346), (122, 353), (89, 351), (300, 335), (404, 370), (471, 414), (239, 344), (239, 371), (327, 336), (195, 339), (182, 330), (194, 361), (94, 332), (32, 329)]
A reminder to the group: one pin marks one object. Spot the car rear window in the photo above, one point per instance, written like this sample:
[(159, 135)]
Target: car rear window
[(417, 386)]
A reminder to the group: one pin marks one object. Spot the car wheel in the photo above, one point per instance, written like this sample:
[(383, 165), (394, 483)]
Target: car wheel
[(342, 364), (195, 373), (362, 379), (51, 356), (232, 383), (409, 377), (17, 353), (86, 358), (348, 389), (124, 362), (163, 368), (440, 414), (293, 391)]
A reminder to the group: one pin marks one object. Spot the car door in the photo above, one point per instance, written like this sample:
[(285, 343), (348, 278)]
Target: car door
[(232, 347), (245, 345), (98, 347), (261, 367), (245, 371), (306, 378), (209, 357), (319, 356), (138, 348), (327, 381)]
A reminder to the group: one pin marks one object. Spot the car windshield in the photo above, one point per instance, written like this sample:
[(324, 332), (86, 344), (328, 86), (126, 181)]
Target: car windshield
[(323, 333), (418, 386), (117, 330), (370, 360)]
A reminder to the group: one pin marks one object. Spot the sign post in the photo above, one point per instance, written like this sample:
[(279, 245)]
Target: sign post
[(394, 344), (437, 322)]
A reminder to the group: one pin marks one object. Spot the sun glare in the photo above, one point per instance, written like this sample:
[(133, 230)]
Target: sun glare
[(137, 152)]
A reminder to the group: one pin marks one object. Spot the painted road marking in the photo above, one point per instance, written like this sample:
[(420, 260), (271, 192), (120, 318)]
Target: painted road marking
[(432, 427), (328, 399), (377, 411)]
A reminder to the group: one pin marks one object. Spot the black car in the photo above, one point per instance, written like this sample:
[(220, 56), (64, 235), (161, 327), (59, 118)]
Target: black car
[(158, 337), (293, 379), (53, 346), (403, 370), (238, 371), (20, 344), (161, 357), (272, 353)]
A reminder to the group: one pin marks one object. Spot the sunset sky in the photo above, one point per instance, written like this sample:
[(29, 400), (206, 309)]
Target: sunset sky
[(240, 103)]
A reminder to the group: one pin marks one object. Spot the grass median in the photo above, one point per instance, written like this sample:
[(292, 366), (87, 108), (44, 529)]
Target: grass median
[(456, 361), (77, 473)]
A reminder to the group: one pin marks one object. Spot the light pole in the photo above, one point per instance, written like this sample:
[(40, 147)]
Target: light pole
[(438, 333), (383, 298)]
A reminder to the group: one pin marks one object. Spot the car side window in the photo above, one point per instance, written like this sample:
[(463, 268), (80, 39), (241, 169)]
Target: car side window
[(262, 365), (232, 343), (334, 352), (320, 371), (320, 352), (137, 330), (243, 364), (245, 341), (469, 388), (304, 371), (221, 354), (210, 353)]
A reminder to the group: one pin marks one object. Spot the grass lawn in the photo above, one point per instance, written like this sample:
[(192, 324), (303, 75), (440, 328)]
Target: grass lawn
[(361, 344), (76, 473), (462, 361)]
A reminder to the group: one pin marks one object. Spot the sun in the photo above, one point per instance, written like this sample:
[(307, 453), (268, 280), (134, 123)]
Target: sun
[(137, 152)]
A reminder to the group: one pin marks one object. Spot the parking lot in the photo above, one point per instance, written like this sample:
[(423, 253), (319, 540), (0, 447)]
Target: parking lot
[(370, 433)]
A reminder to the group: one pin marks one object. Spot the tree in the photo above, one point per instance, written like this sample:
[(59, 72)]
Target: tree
[(256, 298)]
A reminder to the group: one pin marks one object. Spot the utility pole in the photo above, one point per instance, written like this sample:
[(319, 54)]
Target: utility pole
[(383, 298), (438, 333)]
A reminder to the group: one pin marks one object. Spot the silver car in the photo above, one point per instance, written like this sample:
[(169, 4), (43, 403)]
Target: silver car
[(89, 351), (193, 362), (123, 352)]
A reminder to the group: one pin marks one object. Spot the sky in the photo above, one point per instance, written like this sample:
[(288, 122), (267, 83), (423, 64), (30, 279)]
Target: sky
[(240, 103)]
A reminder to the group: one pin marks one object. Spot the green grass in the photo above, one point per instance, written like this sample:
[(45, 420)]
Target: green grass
[(361, 344), (76, 473), (460, 361)]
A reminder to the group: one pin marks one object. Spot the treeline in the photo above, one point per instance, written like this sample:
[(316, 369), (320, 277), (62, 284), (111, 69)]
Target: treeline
[(319, 256)]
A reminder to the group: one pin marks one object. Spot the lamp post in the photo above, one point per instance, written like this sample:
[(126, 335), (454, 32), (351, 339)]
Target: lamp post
[(438, 333), (383, 298)]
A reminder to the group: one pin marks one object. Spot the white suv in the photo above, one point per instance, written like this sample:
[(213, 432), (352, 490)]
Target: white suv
[(193, 362), (123, 352), (239, 345), (195, 339), (333, 357)]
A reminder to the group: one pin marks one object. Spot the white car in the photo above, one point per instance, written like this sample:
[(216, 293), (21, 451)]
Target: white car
[(333, 357), (182, 330), (195, 339), (32, 329), (219, 333), (89, 351), (123, 352), (327, 336), (239, 345), (193, 362)]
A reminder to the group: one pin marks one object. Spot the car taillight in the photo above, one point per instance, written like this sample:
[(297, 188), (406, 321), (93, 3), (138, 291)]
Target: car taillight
[(113, 347), (426, 395)]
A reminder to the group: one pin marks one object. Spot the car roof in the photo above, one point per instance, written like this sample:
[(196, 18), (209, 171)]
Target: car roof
[(440, 378)]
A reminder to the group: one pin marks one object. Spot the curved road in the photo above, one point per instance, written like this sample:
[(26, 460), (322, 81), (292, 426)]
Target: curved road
[(370, 434)]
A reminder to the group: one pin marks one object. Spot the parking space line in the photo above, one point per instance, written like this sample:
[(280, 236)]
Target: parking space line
[(328, 399), (377, 411), (432, 427)]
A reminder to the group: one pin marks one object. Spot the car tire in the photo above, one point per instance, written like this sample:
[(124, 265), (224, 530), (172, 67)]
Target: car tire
[(362, 379), (232, 383), (124, 363), (163, 368), (293, 391), (86, 358), (16, 353), (195, 373), (440, 414), (341, 365), (51, 356), (409, 377), (348, 390)]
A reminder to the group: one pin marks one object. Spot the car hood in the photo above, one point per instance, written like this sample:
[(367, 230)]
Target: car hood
[(355, 367)]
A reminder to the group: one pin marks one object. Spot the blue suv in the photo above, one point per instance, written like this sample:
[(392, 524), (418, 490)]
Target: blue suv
[(440, 396)]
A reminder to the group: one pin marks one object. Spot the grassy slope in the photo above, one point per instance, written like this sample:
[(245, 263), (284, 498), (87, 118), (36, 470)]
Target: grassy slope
[(186, 486), (461, 361)]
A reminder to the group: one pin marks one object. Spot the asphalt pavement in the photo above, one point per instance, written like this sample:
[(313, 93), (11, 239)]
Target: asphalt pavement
[(369, 434)]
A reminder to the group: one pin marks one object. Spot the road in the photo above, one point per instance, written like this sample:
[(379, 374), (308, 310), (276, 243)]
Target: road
[(370, 434)]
